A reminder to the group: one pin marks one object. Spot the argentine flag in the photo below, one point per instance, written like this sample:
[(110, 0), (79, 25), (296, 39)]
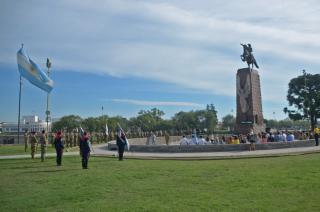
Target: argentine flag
[(32, 72)]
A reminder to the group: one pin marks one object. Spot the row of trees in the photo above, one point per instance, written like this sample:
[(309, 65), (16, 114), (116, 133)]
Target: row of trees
[(229, 122), (146, 120), (304, 106)]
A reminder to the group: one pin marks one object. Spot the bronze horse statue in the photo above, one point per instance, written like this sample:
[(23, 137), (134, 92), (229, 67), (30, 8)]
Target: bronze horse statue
[(248, 57)]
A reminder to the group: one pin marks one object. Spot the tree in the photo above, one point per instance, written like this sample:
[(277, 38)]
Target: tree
[(185, 121), (287, 124), (68, 123), (148, 120), (211, 118), (199, 119), (228, 121), (304, 97), (113, 123)]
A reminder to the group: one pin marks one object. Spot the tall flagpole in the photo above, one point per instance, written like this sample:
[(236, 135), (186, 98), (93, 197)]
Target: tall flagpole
[(48, 96), (19, 109)]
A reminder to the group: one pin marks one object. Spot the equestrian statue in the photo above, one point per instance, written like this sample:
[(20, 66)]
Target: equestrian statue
[(248, 57)]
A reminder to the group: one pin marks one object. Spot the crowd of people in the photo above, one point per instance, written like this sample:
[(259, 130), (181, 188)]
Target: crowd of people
[(83, 141), (61, 141), (278, 136)]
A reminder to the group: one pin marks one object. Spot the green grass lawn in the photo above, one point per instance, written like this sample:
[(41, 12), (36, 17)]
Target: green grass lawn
[(289, 183), (19, 149)]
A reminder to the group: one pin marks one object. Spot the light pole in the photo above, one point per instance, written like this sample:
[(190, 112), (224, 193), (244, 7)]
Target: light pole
[(48, 96)]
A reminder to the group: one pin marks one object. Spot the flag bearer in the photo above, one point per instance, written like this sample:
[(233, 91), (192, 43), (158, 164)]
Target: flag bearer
[(121, 143), (58, 143), (85, 150)]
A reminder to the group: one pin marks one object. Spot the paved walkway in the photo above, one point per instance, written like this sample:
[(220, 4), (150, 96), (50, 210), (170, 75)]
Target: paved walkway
[(101, 150)]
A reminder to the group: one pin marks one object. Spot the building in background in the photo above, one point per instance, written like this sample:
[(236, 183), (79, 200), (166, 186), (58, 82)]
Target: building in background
[(30, 123)]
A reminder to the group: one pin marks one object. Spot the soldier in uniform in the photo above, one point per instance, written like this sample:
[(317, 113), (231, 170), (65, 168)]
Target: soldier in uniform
[(99, 137), (167, 137), (75, 136), (26, 140), (70, 139), (33, 143), (112, 135), (43, 144), (67, 140), (50, 138), (94, 138)]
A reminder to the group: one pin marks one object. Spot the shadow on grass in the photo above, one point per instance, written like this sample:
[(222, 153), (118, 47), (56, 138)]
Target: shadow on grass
[(27, 167), (50, 171)]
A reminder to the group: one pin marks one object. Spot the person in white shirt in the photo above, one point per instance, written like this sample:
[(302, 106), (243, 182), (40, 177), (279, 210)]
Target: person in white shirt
[(284, 136), (153, 138), (201, 140), (184, 140)]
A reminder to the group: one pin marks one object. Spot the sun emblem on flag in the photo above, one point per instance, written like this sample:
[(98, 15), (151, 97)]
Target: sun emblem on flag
[(34, 72)]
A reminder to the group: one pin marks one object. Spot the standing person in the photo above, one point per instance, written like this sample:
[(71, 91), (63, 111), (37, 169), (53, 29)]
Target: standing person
[(58, 144), (167, 137), (33, 144), (75, 136), (184, 141), (316, 132), (153, 138), (26, 140), (121, 143), (252, 139), (85, 150), (43, 144), (67, 140)]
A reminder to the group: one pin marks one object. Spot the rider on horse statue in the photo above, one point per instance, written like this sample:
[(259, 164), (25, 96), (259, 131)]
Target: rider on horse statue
[(247, 55)]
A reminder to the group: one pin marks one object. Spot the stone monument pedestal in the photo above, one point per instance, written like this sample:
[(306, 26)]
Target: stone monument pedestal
[(249, 104)]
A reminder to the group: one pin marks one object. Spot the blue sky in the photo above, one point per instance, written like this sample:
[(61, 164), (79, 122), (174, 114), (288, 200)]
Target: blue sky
[(173, 55)]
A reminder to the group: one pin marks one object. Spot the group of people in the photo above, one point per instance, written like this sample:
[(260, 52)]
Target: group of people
[(152, 138), (60, 141), (252, 138), (122, 141), (84, 145), (34, 142)]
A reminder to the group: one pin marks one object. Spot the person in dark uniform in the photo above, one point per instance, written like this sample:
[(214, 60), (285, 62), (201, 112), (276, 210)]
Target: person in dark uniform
[(85, 150), (58, 144), (121, 143)]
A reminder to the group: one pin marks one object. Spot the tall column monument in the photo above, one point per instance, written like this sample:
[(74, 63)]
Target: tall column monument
[(249, 103)]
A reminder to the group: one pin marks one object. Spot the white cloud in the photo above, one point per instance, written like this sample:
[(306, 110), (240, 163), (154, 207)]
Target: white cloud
[(156, 103), (191, 44)]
